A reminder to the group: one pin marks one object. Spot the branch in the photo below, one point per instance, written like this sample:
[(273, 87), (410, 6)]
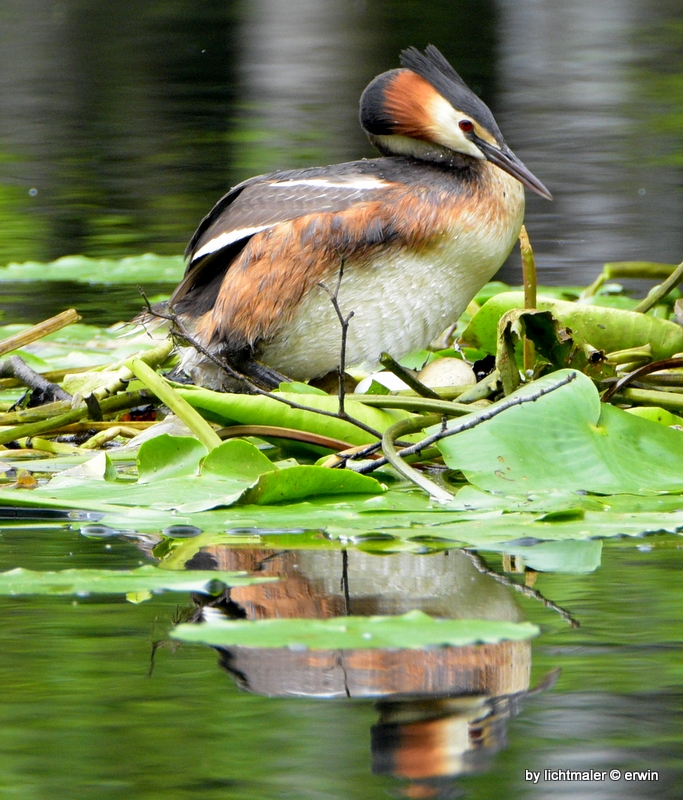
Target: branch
[(181, 333), (470, 423), (646, 369), (481, 566), (407, 377), (344, 322)]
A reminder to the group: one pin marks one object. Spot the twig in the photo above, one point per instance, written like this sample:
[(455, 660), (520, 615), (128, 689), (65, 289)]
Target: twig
[(444, 408), (181, 333), (344, 322), (38, 331), (481, 566), (407, 377), (646, 369), (15, 367), (471, 422)]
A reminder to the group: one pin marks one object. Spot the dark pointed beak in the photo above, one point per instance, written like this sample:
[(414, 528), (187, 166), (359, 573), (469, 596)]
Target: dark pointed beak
[(505, 159)]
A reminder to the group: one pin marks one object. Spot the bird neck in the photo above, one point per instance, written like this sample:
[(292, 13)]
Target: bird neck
[(430, 152)]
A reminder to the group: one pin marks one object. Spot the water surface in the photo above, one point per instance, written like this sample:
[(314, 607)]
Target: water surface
[(122, 125), (82, 716)]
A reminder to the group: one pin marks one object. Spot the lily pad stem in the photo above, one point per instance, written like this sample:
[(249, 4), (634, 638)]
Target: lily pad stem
[(661, 291), (178, 405), (401, 428)]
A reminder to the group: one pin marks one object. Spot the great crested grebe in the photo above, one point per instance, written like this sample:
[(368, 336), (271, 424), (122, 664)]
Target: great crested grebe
[(419, 231)]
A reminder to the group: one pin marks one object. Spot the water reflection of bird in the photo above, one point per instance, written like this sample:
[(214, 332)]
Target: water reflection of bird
[(418, 232)]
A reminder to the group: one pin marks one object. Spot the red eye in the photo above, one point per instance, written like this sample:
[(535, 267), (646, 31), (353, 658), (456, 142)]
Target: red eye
[(466, 125)]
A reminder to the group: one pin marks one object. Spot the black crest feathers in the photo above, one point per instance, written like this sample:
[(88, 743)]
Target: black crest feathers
[(430, 65)]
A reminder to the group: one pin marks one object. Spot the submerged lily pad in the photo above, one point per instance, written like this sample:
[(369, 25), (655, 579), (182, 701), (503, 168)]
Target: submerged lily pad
[(108, 581), (413, 630), (573, 556), (568, 440)]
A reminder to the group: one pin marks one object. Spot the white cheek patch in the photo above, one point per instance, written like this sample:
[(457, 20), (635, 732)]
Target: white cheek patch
[(446, 128), (225, 239)]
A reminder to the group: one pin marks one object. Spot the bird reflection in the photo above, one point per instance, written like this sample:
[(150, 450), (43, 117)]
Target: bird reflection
[(442, 712)]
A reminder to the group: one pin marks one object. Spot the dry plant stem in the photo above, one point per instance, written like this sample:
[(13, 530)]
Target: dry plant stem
[(121, 374), (82, 427), (38, 331), (658, 292), (48, 446), (530, 284), (527, 591), (671, 381), (656, 387), (27, 415), (407, 377), (655, 366), (344, 323), (110, 405), (646, 270), (100, 438), (181, 333), (471, 422)]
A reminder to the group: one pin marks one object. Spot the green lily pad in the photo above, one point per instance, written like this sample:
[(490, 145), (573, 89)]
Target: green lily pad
[(296, 483), (147, 268), (568, 440), (656, 414), (413, 630), (247, 409), (108, 581), (607, 329), (175, 477), (168, 456)]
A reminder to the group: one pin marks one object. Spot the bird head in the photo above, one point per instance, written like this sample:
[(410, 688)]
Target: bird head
[(425, 110)]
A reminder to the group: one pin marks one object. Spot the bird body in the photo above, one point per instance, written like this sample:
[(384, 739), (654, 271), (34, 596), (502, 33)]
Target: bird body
[(409, 238)]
